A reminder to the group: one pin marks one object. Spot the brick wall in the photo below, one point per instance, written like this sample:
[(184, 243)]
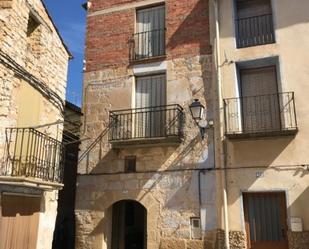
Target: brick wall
[(108, 35)]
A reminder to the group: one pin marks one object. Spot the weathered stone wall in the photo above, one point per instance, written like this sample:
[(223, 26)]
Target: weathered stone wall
[(166, 181), (298, 240), (167, 175), (45, 57), (237, 240)]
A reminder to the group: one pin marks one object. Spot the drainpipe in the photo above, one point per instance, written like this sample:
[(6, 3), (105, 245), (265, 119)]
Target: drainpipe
[(222, 144)]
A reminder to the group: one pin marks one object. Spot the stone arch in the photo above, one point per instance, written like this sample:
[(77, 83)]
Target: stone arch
[(146, 200)]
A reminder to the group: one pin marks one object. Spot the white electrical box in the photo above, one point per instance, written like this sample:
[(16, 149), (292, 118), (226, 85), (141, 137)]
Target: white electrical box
[(196, 232), (296, 224)]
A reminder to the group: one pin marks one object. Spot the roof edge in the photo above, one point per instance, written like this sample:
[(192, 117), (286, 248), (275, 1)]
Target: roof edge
[(57, 31)]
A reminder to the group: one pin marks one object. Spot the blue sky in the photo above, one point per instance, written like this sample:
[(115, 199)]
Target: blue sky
[(70, 19)]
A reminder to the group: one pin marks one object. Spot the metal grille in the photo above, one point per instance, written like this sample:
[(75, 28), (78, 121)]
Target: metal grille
[(148, 122), (30, 153), (255, 30), (148, 44), (149, 41), (252, 115)]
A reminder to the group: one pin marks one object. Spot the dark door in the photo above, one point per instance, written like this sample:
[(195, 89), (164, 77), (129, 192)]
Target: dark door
[(129, 225), (19, 220), (266, 220), (260, 100)]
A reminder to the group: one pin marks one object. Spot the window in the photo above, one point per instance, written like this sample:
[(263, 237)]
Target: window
[(150, 95), (150, 33), (254, 23), (33, 24), (261, 107), (260, 99), (130, 164), (33, 35)]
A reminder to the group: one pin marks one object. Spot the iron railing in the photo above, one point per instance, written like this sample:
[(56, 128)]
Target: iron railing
[(30, 153), (148, 44), (265, 114), (256, 30), (149, 122)]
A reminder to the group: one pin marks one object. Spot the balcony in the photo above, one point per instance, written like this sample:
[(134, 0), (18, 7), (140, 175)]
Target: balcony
[(32, 155), (147, 45), (261, 116), (149, 125), (254, 31)]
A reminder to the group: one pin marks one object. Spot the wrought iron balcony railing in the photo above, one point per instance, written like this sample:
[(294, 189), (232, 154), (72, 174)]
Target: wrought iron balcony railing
[(161, 122), (30, 153), (264, 115), (256, 30), (148, 44)]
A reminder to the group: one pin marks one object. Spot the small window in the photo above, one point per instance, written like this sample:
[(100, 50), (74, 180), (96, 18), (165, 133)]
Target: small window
[(34, 30), (33, 24), (195, 228), (130, 164)]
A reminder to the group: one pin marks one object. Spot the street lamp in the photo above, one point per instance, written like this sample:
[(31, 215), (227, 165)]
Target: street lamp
[(198, 112)]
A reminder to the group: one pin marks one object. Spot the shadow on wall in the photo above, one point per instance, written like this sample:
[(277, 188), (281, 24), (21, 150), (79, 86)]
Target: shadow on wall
[(192, 35), (297, 208), (258, 156)]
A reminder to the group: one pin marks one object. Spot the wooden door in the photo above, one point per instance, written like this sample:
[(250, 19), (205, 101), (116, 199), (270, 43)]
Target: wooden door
[(129, 227), (266, 220), (19, 220), (260, 100)]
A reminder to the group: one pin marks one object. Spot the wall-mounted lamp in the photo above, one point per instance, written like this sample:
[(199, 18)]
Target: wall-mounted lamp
[(198, 113)]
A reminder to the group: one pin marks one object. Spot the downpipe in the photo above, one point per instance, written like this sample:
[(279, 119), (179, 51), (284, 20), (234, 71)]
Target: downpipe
[(223, 144)]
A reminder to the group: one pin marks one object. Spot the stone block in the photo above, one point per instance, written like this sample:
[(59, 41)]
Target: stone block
[(298, 240), (172, 244), (195, 244)]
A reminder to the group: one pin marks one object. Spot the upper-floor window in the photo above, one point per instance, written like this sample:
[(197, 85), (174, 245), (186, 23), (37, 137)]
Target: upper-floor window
[(149, 39), (33, 35), (262, 108), (254, 23)]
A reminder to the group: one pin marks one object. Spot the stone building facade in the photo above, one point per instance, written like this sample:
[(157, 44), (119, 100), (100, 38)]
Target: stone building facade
[(33, 70), (245, 185), (143, 172), (262, 77)]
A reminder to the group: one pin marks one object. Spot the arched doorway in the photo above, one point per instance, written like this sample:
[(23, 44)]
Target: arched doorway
[(129, 225)]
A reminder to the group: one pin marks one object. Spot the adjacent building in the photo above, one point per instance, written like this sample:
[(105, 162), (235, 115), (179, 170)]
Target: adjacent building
[(33, 70), (64, 233), (263, 87)]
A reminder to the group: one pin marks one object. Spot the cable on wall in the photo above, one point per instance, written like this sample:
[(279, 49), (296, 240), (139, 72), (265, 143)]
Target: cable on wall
[(39, 85)]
